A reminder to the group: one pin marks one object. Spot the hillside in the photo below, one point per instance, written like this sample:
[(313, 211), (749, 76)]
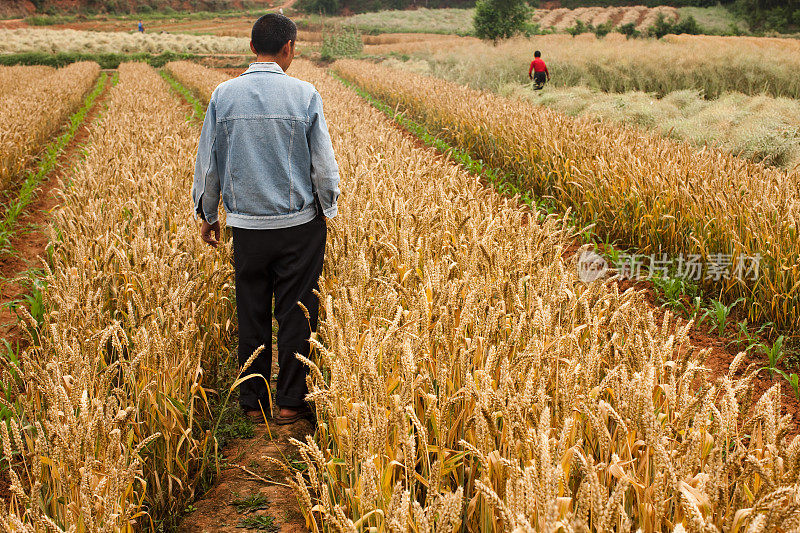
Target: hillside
[(22, 8)]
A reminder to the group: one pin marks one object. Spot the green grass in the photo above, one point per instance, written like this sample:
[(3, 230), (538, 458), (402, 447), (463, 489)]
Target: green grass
[(106, 61), (198, 109), (259, 522), (717, 19), (251, 503), (27, 192)]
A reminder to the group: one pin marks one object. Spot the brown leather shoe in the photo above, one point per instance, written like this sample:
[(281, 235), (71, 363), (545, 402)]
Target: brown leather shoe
[(256, 417), (302, 413)]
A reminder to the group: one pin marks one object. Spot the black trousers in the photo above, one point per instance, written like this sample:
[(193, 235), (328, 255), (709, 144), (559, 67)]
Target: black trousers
[(285, 263)]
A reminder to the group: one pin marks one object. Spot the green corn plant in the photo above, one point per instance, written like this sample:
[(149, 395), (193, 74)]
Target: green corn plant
[(719, 313), (775, 354)]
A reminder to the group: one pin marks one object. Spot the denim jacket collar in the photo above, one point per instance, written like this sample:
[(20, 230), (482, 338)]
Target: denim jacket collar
[(264, 66)]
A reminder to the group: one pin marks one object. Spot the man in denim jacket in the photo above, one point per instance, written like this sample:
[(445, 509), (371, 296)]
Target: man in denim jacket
[(265, 150)]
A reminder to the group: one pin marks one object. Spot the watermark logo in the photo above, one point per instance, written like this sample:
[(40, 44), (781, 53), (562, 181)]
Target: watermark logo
[(591, 266), (692, 267)]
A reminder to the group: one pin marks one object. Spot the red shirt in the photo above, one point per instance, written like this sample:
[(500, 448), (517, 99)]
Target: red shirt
[(537, 65)]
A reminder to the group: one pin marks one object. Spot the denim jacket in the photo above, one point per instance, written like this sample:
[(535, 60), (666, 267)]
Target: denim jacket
[(266, 150)]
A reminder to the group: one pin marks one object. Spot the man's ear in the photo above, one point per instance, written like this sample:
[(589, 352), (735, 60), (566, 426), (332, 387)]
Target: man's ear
[(288, 48), (253, 48)]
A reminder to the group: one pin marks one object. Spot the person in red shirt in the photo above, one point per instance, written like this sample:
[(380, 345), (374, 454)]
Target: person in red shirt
[(539, 70)]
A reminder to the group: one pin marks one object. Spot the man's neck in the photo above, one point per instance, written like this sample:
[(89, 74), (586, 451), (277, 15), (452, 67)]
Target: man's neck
[(266, 59), (262, 58)]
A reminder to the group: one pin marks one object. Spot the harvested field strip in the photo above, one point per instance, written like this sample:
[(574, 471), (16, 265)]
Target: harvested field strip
[(113, 423), (465, 377), (759, 128), (652, 194), (28, 189), (48, 40), (33, 112)]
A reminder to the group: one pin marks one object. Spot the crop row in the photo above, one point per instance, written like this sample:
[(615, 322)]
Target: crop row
[(15, 78), (49, 40), (34, 110)]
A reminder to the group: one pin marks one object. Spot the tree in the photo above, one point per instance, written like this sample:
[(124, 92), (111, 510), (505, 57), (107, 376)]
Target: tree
[(500, 19)]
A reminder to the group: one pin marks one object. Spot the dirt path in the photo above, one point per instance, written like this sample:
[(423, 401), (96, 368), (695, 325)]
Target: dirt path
[(12, 24), (250, 493)]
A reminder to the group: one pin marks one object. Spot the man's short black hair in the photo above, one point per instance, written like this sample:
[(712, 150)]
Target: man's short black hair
[(537, 53), (271, 32)]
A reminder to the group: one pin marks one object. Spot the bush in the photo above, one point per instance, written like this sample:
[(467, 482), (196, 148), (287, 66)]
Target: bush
[(770, 15), (603, 29), (629, 30), (532, 28), (661, 27), (580, 27), (500, 19), (687, 25), (343, 42), (325, 7), (664, 27)]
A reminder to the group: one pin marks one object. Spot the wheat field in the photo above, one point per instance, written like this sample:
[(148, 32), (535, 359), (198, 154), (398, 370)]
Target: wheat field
[(21, 77), (710, 65), (34, 103), (463, 376), (760, 128), (107, 431), (651, 193)]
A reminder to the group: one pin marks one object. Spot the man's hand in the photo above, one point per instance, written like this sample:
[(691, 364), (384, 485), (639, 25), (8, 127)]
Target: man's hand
[(210, 233)]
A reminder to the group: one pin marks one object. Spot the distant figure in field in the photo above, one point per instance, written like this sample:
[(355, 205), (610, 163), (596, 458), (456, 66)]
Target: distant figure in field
[(281, 10), (539, 70), (141, 27)]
